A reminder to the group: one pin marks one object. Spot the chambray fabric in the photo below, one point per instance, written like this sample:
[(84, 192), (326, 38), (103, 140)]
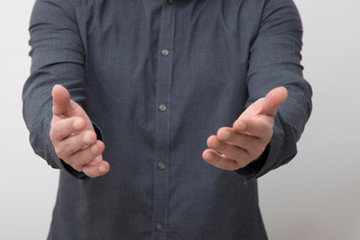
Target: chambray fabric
[(221, 56)]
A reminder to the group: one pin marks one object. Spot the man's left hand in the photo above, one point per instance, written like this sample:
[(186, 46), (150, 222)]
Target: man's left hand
[(236, 147)]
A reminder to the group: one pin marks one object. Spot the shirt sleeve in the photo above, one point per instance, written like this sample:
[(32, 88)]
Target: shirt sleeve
[(57, 58), (275, 61)]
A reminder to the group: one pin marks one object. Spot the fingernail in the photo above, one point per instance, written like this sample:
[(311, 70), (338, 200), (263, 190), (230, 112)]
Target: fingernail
[(102, 169), (225, 135), (77, 124), (215, 143), (87, 138), (208, 157), (94, 149)]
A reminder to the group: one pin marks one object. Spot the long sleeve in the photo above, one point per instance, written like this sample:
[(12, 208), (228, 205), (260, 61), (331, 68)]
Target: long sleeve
[(57, 58), (158, 79), (275, 61)]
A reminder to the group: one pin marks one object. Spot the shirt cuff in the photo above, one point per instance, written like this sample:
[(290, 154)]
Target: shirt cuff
[(253, 168)]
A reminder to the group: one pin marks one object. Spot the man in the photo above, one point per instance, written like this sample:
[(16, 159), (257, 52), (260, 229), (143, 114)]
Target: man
[(151, 81)]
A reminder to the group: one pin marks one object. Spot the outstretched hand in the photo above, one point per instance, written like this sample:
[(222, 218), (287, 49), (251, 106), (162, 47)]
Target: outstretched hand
[(74, 137), (236, 147)]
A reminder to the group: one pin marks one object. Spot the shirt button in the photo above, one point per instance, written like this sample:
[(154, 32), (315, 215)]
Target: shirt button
[(162, 107), (161, 165), (165, 52), (170, 1), (159, 227)]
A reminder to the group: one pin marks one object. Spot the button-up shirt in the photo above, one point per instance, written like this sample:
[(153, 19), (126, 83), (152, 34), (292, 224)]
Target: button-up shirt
[(157, 78)]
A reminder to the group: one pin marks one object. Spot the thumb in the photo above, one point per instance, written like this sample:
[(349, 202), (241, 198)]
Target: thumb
[(273, 100), (61, 100)]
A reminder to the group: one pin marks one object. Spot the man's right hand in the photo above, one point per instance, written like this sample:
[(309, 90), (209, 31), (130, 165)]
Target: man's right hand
[(74, 137)]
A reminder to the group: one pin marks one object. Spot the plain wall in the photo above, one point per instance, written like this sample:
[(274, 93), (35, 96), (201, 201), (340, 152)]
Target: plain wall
[(316, 196)]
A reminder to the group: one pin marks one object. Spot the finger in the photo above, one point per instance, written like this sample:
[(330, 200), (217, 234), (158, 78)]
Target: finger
[(63, 128), (229, 150), (220, 161), (266, 105), (273, 100), (261, 127), (61, 100), (71, 145), (95, 161), (242, 140), (96, 170), (85, 156)]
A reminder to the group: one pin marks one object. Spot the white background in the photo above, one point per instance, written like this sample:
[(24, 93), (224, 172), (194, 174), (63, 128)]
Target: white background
[(316, 196)]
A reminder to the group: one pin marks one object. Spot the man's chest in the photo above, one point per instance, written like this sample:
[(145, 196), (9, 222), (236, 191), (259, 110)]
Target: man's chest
[(201, 43)]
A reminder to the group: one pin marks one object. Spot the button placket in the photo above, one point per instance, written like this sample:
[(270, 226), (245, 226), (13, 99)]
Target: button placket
[(162, 140), (161, 165), (165, 52), (159, 227), (162, 107)]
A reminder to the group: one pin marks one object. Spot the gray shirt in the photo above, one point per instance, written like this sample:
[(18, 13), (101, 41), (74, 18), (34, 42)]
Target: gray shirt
[(157, 78)]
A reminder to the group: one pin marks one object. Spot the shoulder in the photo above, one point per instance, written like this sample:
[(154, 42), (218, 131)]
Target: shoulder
[(54, 7)]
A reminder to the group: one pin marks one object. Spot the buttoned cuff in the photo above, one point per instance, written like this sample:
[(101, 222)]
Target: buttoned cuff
[(280, 150), (254, 168)]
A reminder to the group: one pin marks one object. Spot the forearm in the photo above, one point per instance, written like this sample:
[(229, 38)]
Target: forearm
[(275, 61), (57, 58), (37, 105)]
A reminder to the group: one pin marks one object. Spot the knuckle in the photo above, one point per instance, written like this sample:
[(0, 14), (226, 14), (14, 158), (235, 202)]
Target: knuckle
[(59, 152), (52, 136), (55, 132)]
